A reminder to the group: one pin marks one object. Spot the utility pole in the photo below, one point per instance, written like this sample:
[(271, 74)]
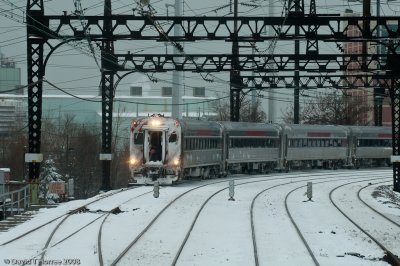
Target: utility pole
[(271, 100), (379, 92), (35, 73), (177, 75), (296, 112), (253, 93), (235, 78), (108, 69)]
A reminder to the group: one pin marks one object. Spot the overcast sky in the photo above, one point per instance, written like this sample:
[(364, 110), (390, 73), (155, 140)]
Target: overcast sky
[(72, 67)]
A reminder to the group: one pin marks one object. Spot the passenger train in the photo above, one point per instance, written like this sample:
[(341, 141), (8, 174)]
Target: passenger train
[(168, 150)]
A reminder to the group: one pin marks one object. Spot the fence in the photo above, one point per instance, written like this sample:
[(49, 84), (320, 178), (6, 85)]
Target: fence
[(14, 202)]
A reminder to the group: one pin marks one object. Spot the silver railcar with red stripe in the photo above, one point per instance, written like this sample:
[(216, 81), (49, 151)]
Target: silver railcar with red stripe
[(168, 150), (312, 146)]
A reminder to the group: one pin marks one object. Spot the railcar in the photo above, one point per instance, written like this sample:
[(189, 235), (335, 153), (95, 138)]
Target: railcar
[(202, 149), (166, 150), (370, 146), (155, 152), (315, 146), (251, 147)]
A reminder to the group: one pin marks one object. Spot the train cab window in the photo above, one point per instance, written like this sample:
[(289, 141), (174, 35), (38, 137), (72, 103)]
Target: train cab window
[(138, 138), (172, 138)]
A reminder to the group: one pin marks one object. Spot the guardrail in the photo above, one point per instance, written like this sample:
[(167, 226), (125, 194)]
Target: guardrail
[(14, 202)]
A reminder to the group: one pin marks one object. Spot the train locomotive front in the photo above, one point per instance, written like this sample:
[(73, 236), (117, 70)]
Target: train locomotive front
[(155, 150)]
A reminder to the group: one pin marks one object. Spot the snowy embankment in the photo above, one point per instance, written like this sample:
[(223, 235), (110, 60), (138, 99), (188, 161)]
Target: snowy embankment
[(221, 233)]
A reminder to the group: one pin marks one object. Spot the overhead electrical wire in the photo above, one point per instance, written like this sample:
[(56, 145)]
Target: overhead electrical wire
[(225, 81)]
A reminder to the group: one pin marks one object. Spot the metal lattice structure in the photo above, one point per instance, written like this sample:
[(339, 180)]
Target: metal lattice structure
[(314, 69), (35, 46)]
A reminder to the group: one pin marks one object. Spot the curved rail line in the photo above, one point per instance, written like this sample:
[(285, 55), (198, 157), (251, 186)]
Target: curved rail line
[(295, 224), (58, 217), (43, 253), (253, 232), (373, 209), (125, 251), (86, 225), (391, 258), (100, 253), (65, 217)]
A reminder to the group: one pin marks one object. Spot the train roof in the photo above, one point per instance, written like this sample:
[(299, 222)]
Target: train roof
[(367, 132), (316, 131), (247, 129), (200, 128)]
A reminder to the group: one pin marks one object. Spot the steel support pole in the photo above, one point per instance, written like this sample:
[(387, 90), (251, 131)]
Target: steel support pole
[(378, 91), (296, 104), (395, 97), (235, 80), (177, 75), (108, 68), (271, 95), (35, 69)]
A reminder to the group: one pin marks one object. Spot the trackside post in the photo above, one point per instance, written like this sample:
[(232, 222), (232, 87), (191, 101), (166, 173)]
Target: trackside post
[(156, 189), (309, 190), (231, 189)]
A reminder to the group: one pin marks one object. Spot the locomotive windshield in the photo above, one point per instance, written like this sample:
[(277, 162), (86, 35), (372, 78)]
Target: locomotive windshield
[(138, 138)]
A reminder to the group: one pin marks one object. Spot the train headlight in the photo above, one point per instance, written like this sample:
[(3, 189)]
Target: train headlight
[(176, 162), (155, 122), (132, 161)]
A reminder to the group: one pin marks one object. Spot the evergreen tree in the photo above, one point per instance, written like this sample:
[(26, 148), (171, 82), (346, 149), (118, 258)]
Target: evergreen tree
[(49, 174)]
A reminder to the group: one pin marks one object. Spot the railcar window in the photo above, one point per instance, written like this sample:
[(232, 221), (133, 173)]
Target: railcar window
[(138, 138), (298, 143), (253, 143), (374, 143), (387, 143), (173, 137)]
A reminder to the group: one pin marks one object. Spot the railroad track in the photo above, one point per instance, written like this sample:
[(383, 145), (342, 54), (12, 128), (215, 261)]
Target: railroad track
[(297, 227), (64, 218), (389, 257), (76, 210), (104, 215), (373, 209), (126, 251), (305, 243), (171, 204)]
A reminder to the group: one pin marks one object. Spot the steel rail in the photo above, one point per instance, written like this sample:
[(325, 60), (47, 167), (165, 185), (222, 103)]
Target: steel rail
[(391, 258)]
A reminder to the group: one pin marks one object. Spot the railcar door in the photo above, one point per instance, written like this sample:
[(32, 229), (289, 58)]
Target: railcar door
[(154, 150)]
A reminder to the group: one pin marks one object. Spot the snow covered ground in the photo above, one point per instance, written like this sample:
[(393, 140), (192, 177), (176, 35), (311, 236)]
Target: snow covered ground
[(221, 233)]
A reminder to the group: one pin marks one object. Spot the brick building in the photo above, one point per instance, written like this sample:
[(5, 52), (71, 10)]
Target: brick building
[(367, 96)]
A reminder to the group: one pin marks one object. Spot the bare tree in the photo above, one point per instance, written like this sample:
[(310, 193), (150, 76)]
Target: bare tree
[(248, 111), (333, 109), (12, 153), (85, 164), (120, 150)]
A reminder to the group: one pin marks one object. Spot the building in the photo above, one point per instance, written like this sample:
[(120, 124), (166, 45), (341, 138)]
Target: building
[(10, 76), (372, 97), (13, 115), (12, 111)]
